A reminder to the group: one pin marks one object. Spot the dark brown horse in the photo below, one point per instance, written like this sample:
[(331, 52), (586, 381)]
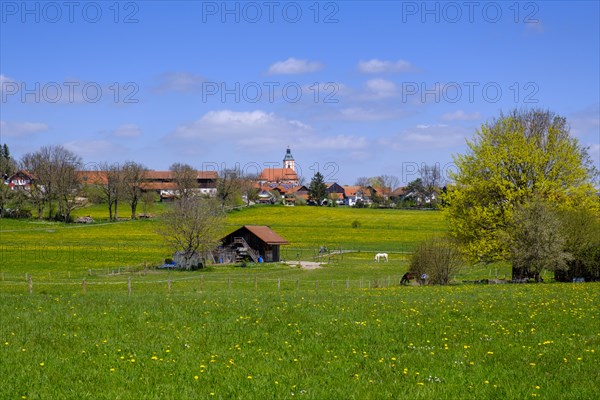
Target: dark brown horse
[(406, 278)]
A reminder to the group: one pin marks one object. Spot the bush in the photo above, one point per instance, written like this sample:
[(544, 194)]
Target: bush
[(438, 258), (355, 224)]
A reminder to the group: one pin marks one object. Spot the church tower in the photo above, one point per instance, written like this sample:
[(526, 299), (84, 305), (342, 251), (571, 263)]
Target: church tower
[(288, 160)]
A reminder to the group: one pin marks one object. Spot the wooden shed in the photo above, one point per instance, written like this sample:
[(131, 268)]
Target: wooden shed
[(255, 241)]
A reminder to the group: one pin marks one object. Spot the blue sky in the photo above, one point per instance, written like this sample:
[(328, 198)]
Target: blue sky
[(355, 88)]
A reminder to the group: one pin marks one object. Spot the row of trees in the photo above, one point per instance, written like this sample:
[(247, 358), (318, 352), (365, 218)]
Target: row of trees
[(59, 186)]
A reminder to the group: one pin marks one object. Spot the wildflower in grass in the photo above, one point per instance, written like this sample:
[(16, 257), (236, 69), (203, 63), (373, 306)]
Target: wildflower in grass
[(154, 358), (196, 377), (532, 364), (42, 364), (249, 377)]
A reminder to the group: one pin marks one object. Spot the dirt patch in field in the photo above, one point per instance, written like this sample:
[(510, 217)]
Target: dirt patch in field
[(305, 264)]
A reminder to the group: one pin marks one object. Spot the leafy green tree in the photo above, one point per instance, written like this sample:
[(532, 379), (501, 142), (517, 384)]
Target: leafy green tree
[(582, 232), (512, 159), (7, 164), (317, 189), (537, 240)]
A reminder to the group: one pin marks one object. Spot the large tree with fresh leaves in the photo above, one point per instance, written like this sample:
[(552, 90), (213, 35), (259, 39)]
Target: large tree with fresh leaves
[(511, 160), (317, 189)]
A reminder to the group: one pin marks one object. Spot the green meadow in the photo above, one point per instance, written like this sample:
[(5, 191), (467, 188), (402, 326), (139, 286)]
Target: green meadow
[(99, 322)]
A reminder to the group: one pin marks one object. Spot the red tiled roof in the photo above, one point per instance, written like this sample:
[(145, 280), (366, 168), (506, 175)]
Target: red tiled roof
[(278, 174), (264, 233)]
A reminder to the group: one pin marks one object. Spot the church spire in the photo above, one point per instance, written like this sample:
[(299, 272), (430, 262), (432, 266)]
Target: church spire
[(288, 160)]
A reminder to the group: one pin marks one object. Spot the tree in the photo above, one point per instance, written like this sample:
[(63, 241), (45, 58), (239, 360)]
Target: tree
[(512, 159), (431, 180), (55, 180), (134, 175), (186, 179), (193, 227), (248, 189), (228, 187), (438, 258), (112, 188), (537, 241), (582, 240), (317, 189), (7, 164), (362, 181)]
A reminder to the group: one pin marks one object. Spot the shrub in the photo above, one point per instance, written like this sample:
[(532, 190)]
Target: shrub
[(438, 258)]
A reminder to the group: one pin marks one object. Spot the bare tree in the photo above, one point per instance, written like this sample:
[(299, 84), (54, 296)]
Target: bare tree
[(248, 189), (111, 185), (431, 180), (186, 179), (193, 227), (435, 261), (134, 175), (390, 181), (55, 179), (228, 186), (363, 182)]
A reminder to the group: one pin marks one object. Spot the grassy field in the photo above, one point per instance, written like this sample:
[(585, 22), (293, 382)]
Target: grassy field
[(461, 342), (42, 248), (344, 331)]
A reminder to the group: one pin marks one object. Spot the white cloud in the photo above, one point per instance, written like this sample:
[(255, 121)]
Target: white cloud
[(21, 129), (93, 148), (259, 130), (294, 66), (427, 137), (127, 130), (460, 115), (378, 89), (179, 82), (376, 66)]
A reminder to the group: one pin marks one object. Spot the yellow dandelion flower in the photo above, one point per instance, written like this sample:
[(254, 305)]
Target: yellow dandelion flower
[(196, 377)]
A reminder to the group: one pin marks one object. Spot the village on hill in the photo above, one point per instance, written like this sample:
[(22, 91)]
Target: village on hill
[(273, 185)]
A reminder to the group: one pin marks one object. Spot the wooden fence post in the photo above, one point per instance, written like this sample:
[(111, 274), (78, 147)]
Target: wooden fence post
[(278, 283), (84, 286), (30, 284)]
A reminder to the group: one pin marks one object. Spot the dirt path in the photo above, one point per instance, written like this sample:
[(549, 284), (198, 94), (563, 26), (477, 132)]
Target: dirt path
[(305, 264)]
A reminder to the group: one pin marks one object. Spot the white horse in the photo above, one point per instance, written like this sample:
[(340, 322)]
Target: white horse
[(380, 256)]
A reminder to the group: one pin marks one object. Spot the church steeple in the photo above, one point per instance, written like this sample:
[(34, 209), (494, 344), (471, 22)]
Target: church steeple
[(288, 160)]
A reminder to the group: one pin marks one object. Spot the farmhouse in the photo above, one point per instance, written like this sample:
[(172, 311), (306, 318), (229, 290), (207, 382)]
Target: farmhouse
[(161, 182), (20, 180), (253, 242)]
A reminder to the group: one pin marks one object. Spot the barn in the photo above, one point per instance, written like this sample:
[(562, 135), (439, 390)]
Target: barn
[(254, 242)]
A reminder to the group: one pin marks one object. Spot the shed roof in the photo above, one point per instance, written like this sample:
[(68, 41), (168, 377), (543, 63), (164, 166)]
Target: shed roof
[(264, 233)]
